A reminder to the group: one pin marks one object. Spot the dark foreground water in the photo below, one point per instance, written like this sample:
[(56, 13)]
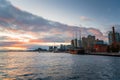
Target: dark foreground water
[(57, 66)]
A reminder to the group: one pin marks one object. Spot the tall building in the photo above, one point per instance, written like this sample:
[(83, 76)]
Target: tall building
[(77, 42), (114, 41), (88, 42), (74, 43), (110, 37), (62, 47)]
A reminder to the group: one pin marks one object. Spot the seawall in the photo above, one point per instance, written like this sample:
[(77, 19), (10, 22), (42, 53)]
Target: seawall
[(104, 54)]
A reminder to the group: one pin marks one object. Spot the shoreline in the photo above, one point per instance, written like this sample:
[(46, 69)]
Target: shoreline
[(104, 54)]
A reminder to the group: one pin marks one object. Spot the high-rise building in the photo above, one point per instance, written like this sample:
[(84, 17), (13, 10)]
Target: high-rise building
[(74, 43), (88, 42), (79, 43), (62, 47), (110, 37)]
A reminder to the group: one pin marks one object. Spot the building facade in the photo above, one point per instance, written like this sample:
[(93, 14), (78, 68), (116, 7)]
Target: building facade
[(88, 42), (75, 43), (100, 46), (110, 37)]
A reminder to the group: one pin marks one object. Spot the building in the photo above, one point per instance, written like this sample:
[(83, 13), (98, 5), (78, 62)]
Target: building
[(99, 41), (52, 48), (88, 42), (114, 41), (100, 46), (79, 43), (75, 43), (110, 37), (62, 47), (72, 43)]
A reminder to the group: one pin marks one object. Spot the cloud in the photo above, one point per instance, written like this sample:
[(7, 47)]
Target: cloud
[(84, 18), (26, 30), (117, 28)]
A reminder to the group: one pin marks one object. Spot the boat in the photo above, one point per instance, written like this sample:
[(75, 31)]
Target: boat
[(77, 51), (76, 45)]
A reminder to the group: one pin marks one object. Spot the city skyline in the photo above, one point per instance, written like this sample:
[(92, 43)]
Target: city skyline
[(43, 22)]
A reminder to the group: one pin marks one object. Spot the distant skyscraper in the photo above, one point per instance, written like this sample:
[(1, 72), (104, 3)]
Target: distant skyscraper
[(88, 42), (76, 43), (79, 43), (72, 43), (110, 37)]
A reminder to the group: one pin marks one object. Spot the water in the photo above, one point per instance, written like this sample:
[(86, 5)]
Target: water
[(57, 66)]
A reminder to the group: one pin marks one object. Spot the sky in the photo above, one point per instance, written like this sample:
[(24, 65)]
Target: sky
[(89, 13), (29, 24)]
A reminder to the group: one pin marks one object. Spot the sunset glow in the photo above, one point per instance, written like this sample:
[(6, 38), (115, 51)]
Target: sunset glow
[(15, 48), (24, 26)]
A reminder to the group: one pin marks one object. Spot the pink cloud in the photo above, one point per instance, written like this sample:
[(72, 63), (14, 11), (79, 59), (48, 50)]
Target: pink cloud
[(84, 18), (19, 28), (6, 20)]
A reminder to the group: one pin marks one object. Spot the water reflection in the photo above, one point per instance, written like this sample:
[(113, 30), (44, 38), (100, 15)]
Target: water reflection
[(17, 64), (57, 66), (86, 67), (34, 65), (115, 68)]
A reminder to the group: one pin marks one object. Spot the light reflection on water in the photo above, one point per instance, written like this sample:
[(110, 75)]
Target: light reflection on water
[(57, 66)]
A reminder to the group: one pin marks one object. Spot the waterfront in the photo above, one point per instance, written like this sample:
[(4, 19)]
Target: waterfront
[(57, 66)]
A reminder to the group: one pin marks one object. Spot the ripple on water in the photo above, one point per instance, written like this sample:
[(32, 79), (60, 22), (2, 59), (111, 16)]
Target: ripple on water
[(49, 66), (74, 77)]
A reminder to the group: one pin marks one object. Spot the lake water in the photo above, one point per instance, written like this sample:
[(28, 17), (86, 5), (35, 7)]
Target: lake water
[(57, 66)]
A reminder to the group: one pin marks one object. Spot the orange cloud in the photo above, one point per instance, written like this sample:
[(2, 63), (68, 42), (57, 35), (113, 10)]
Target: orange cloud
[(35, 41), (15, 46)]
